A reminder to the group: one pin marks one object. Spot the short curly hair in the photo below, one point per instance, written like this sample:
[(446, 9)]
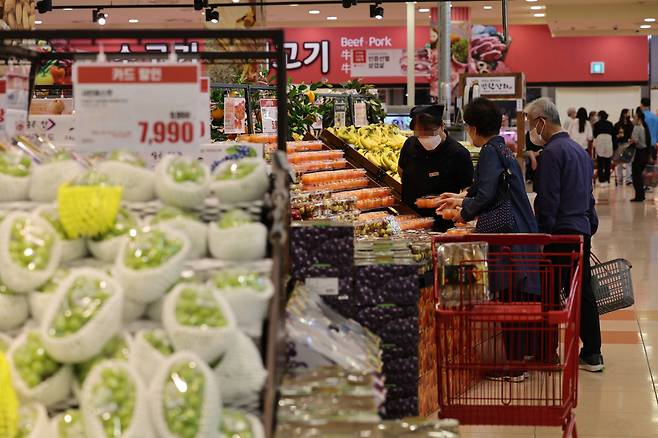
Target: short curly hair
[(483, 115)]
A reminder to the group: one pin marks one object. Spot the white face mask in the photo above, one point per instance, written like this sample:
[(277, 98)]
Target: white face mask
[(430, 143), (536, 138)]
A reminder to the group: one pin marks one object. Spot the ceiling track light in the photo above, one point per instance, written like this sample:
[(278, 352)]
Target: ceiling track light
[(99, 17), (200, 4), (212, 15), (377, 11), (349, 3), (44, 6)]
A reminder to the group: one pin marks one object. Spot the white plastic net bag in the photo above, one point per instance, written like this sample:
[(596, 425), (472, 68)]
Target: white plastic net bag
[(39, 300), (240, 373), (14, 188), (115, 403), (32, 421), (107, 247), (138, 183), (133, 310), (249, 294), (237, 423), (14, 309), (182, 182), (84, 314), (240, 181), (68, 424), (194, 229), (177, 387), (150, 262), (30, 252), (46, 179), (72, 249), (151, 348), (236, 237), (48, 382), (199, 320)]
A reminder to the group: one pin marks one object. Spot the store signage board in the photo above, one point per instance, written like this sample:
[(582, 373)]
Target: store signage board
[(494, 85), (377, 62), (145, 107), (235, 115), (204, 111), (269, 115)]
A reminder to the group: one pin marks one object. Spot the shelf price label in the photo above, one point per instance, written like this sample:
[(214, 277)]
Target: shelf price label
[(269, 115), (148, 108)]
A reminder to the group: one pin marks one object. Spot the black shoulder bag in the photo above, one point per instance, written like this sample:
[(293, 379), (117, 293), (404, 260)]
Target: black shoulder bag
[(499, 218)]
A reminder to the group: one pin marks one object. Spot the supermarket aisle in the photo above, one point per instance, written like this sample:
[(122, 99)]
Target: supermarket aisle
[(621, 402)]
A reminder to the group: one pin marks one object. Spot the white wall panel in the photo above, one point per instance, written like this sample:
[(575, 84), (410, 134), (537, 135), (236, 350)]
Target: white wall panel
[(610, 99)]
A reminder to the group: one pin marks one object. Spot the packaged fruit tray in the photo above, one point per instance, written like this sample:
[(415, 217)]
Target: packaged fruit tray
[(303, 157), (258, 138), (385, 227), (373, 215), (303, 146), (423, 223), (306, 197), (314, 166), (363, 194), (335, 175), (428, 202), (372, 204), (348, 184), (322, 209)]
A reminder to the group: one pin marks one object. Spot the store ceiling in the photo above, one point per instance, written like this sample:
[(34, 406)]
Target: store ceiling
[(565, 17)]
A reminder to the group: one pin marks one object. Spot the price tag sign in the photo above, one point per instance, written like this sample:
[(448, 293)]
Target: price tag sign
[(204, 111), (360, 114), (235, 115), (144, 107), (326, 286), (339, 114), (269, 115), (14, 94)]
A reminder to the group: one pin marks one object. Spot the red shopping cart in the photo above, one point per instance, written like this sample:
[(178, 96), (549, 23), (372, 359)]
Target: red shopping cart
[(507, 328)]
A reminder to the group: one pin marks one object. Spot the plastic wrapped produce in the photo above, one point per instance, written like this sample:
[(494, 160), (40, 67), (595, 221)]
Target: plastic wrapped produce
[(46, 178), (106, 246), (150, 261), (317, 246), (85, 313), (347, 184), (237, 237), (117, 348), (238, 424), (115, 402), (133, 310), (72, 249), (463, 273), (428, 202), (127, 170), (40, 299), (240, 181), (182, 182), (248, 294), (240, 373), (14, 309), (150, 350), (372, 204), (362, 194), (303, 146), (329, 155), (68, 424), (198, 319), (36, 375), (185, 401), (195, 230), (387, 284), (336, 175), (30, 252), (315, 166), (15, 171), (32, 421)]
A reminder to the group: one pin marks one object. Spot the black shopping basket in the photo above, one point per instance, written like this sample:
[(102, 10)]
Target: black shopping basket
[(612, 285)]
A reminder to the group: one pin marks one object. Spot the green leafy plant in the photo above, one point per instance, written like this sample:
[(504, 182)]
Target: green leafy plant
[(374, 105)]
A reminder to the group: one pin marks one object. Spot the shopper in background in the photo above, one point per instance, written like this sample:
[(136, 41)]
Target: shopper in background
[(640, 141), (571, 116), (623, 129), (565, 205), (580, 130), (652, 122), (431, 162), (532, 154), (605, 143), (593, 117), (499, 201)]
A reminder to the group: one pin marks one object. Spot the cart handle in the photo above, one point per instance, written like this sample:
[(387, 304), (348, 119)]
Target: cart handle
[(509, 239)]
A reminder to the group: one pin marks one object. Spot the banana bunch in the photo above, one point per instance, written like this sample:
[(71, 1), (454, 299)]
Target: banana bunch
[(380, 144)]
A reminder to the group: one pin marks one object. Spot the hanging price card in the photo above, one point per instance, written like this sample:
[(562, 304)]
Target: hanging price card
[(235, 115), (360, 114), (269, 115), (144, 107)]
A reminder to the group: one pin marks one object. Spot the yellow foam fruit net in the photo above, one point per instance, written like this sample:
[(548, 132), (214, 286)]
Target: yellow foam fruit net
[(87, 211), (8, 402)]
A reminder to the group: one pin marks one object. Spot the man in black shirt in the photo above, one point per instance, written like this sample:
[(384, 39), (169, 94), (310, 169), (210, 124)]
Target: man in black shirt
[(432, 163)]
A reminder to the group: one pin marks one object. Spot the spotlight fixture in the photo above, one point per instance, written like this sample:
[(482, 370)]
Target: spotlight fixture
[(44, 6), (98, 17), (377, 11), (212, 15), (349, 3), (200, 4)]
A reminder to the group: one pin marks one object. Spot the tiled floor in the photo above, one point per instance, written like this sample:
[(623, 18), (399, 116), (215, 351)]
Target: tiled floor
[(621, 402)]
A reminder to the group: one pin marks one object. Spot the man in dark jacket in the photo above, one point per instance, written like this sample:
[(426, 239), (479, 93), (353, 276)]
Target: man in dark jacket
[(565, 205)]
